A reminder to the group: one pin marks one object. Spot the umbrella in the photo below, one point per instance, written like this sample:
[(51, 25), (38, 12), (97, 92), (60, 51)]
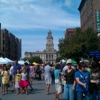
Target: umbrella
[(3, 61), (36, 64), (73, 61)]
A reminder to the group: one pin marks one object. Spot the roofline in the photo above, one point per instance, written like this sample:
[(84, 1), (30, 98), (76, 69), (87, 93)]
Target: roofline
[(81, 5)]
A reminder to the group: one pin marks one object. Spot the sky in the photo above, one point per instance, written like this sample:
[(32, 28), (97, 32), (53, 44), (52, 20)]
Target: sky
[(30, 20)]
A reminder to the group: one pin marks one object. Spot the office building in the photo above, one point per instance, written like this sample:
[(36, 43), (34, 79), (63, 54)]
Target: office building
[(10, 46), (90, 14)]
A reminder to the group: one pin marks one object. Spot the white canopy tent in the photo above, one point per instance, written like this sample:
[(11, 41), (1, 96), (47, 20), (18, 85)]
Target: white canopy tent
[(9, 61), (21, 62), (3, 61)]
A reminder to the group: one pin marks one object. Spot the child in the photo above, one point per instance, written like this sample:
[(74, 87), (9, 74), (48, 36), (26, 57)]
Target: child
[(5, 80), (23, 82), (17, 79), (31, 73)]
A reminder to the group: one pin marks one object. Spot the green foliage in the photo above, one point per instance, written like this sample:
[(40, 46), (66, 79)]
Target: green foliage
[(79, 44), (59, 58), (25, 59), (34, 59)]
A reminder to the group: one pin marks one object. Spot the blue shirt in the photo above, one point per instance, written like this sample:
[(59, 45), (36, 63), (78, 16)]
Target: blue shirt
[(27, 69), (15, 68), (56, 73), (81, 76)]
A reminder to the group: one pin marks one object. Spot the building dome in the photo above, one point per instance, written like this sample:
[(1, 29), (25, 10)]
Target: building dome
[(49, 35)]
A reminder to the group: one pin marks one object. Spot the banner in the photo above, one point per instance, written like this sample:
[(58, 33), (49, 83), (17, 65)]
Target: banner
[(98, 20)]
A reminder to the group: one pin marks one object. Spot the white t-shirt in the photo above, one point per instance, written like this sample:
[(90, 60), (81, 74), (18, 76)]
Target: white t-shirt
[(24, 76), (11, 70)]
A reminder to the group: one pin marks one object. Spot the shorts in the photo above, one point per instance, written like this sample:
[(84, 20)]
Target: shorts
[(48, 80), (12, 78), (17, 85), (32, 75), (58, 87)]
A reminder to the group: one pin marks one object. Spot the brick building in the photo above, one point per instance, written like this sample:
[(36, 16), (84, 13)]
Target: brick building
[(10, 46), (90, 14), (69, 32)]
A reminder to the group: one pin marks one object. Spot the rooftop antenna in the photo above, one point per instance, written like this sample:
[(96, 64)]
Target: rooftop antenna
[(66, 29)]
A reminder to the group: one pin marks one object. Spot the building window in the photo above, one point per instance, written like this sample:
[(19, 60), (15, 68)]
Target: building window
[(3, 42)]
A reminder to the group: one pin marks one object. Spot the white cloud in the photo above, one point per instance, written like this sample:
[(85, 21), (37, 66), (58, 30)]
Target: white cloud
[(14, 2), (35, 16), (68, 3)]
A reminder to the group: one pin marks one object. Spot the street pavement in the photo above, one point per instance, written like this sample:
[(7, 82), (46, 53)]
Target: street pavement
[(38, 93)]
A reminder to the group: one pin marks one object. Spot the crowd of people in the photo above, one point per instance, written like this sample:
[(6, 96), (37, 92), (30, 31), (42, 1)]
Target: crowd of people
[(72, 80), (17, 76), (75, 81)]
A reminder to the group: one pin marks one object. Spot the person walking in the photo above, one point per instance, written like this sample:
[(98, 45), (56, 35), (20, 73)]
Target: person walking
[(31, 74), (16, 67), (70, 82), (17, 79), (1, 68), (38, 72), (23, 82), (48, 78), (26, 67), (58, 83), (5, 80), (82, 78), (12, 76), (95, 81)]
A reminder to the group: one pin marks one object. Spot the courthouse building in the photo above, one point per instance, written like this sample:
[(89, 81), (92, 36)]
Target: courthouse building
[(49, 54), (90, 14)]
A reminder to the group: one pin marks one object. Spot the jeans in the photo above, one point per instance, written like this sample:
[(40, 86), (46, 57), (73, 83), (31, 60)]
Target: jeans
[(95, 94), (80, 95), (68, 92)]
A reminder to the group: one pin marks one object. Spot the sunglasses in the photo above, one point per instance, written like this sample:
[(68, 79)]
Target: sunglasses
[(69, 64)]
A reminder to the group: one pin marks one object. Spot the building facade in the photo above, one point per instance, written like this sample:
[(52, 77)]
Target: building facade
[(49, 54), (69, 32), (90, 14), (10, 46)]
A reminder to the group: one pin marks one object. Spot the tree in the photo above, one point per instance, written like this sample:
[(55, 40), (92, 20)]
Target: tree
[(79, 44), (59, 58), (36, 59), (25, 59)]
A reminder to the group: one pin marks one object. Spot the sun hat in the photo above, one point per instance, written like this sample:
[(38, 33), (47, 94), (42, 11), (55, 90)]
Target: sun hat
[(68, 61)]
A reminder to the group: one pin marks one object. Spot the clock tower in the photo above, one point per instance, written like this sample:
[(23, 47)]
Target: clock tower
[(49, 42), (47, 55)]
